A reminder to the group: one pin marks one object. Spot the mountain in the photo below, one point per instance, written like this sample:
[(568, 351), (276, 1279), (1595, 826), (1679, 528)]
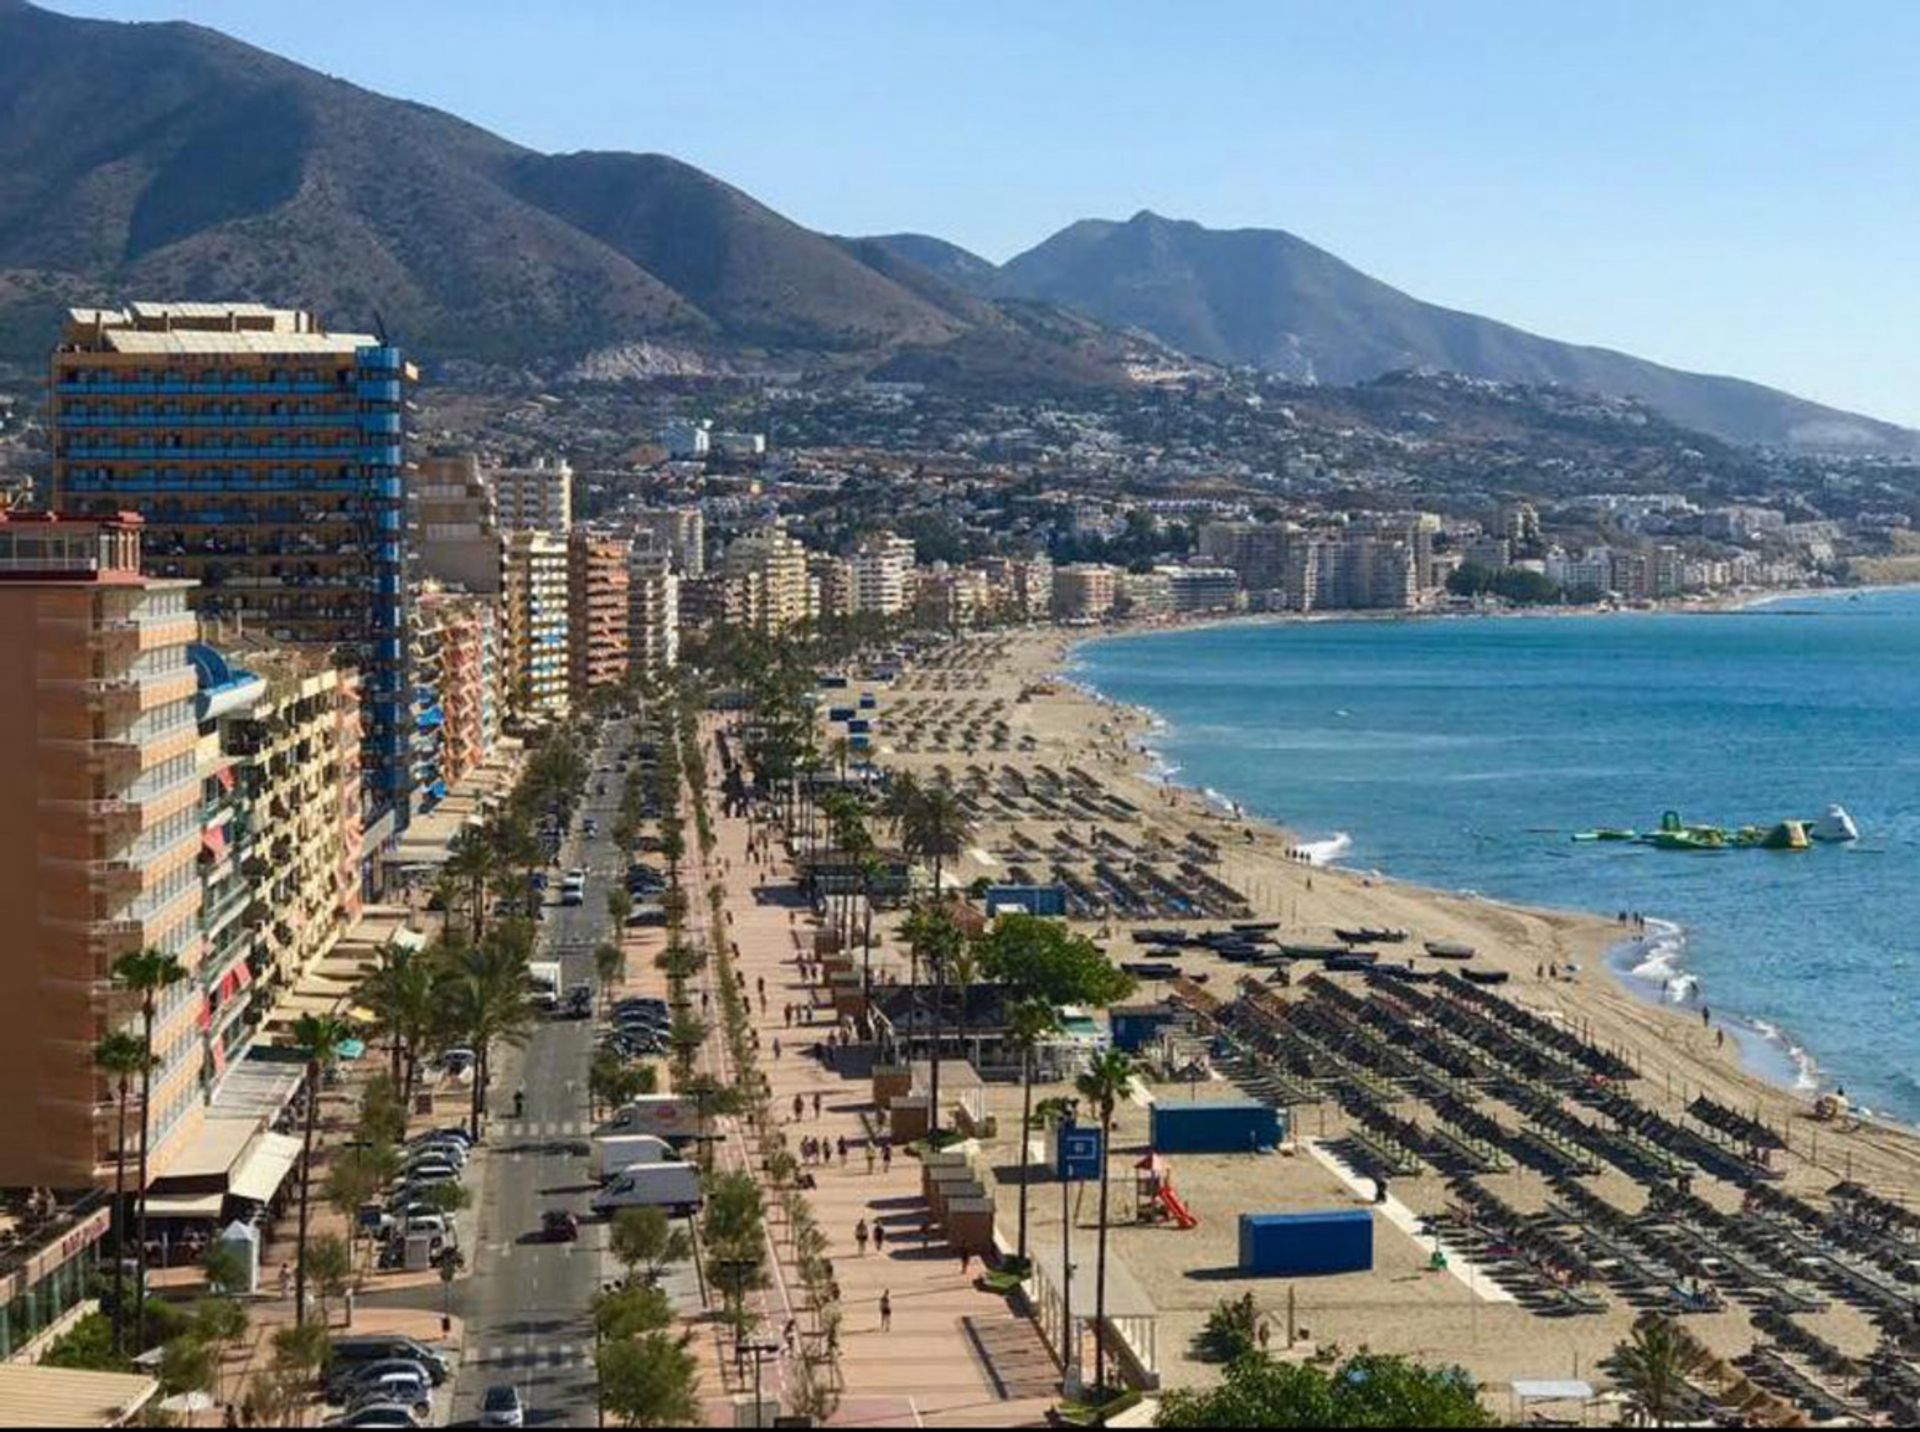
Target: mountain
[(1264, 298), (167, 160), (960, 267)]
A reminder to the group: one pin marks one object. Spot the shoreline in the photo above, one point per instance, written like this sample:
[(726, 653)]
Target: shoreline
[(1767, 1051)]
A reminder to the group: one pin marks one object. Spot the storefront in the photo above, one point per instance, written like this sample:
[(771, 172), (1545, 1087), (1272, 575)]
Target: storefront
[(49, 1270)]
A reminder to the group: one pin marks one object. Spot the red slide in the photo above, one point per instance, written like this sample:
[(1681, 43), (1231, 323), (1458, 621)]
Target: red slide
[(1176, 1210)]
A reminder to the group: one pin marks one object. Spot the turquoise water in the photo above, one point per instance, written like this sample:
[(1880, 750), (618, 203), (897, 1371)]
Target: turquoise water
[(1464, 753)]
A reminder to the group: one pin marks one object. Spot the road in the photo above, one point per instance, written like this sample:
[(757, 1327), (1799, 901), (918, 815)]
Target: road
[(525, 1301)]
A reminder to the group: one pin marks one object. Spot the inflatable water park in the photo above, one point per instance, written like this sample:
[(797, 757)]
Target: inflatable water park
[(1836, 827)]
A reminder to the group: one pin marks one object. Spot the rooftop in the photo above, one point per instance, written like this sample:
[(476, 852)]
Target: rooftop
[(190, 328)]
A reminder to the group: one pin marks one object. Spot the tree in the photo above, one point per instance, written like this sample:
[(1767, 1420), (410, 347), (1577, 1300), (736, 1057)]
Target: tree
[(1366, 1391), (219, 1322), (383, 1118), (646, 1236), (1031, 1021), (1653, 1366), (487, 998), (1044, 959), (187, 1365), (145, 973), (399, 991), (631, 1312), (650, 1381), (609, 965), (934, 939), (1103, 1086), (473, 862), (356, 1178), (329, 1263), (937, 829), (120, 1055), (320, 1035), (619, 906)]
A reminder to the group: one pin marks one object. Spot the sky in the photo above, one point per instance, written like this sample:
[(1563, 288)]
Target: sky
[(1727, 187)]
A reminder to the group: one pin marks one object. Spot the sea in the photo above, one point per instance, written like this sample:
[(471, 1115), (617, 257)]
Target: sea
[(1464, 753)]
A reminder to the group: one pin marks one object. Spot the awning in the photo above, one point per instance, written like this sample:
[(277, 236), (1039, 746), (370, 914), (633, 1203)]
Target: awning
[(185, 1205), (214, 841), (1550, 1390), (225, 776), (265, 1167), (35, 1396)]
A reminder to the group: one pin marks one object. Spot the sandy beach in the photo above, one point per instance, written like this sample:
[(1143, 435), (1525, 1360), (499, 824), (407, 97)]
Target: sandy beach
[(993, 716)]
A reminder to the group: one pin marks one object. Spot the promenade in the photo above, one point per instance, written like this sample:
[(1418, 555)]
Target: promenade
[(954, 1355)]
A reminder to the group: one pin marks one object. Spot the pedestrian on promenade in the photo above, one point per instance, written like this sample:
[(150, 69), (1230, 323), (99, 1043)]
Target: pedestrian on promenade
[(886, 1310), (879, 1236), (860, 1236), (799, 1107), (760, 985), (789, 1016), (886, 1157), (286, 1280), (869, 1158), (816, 1103), (1706, 1016), (966, 1261), (790, 1336), (843, 1151), (776, 1049)]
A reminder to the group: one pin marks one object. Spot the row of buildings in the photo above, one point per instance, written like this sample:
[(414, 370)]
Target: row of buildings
[(249, 643)]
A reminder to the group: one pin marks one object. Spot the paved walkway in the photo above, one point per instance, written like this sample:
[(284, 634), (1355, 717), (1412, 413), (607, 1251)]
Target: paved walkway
[(932, 1367)]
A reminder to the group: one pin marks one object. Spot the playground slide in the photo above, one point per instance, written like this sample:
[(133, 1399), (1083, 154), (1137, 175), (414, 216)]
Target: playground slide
[(1181, 1215)]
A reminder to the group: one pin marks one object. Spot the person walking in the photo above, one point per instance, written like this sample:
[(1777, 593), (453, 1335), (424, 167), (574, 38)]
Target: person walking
[(860, 1236), (879, 1236), (843, 1150), (886, 1157), (886, 1310), (816, 1103), (869, 1158), (799, 1108)]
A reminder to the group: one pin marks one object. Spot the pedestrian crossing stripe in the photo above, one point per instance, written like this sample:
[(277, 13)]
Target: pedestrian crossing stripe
[(527, 1355), (546, 1129)]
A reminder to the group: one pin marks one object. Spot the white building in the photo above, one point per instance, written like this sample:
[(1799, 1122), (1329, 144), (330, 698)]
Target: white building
[(686, 438), (538, 498), (653, 621), (882, 573)]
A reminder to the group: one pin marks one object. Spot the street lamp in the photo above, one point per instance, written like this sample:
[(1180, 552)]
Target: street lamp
[(737, 1271)]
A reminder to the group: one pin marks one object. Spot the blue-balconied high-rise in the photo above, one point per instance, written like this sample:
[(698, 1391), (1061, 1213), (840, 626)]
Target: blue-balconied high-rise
[(266, 455)]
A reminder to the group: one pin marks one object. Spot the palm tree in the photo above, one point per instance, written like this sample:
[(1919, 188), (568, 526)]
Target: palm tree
[(1031, 1021), (487, 996), (1654, 1365), (937, 828), (145, 973), (120, 1055), (1103, 1086), (321, 1036), (471, 867), (934, 939), (899, 803), (609, 966)]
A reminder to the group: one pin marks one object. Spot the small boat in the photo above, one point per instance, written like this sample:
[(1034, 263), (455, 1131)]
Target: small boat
[(1449, 950), (1367, 935), (1607, 832), (1834, 827), (1484, 977), (1312, 952)]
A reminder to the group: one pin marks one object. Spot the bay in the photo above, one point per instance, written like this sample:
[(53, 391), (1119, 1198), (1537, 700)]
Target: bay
[(1464, 753)]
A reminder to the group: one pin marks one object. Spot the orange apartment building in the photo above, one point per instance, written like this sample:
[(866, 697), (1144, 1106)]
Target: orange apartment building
[(466, 673), (597, 612), (100, 836)]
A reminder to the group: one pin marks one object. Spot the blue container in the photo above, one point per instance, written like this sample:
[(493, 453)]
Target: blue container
[(868, 701), (1214, 1126), (1047, 900), (1135, 1028), (839, 713), (832, 681), (1299, 1245), (859, 727)]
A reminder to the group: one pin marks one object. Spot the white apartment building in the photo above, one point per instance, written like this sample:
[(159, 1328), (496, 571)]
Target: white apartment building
[(882, 573), (533, 499)]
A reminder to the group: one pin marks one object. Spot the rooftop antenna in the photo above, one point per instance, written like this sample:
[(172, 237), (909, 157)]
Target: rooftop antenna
[(380, 328)]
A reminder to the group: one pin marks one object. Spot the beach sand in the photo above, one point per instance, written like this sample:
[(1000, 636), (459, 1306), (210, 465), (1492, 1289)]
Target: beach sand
[(940, 719)]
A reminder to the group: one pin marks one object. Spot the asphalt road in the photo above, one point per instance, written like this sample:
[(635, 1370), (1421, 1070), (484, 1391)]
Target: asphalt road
[(525, 1301)]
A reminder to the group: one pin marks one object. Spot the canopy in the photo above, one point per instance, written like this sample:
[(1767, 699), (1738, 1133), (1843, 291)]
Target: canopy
[(185, 1205), (1547, 1390), (265, 1167), (36, 1396)]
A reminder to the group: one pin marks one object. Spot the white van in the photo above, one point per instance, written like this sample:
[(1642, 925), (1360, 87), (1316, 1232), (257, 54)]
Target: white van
[(615, 1153), (672, 1186)]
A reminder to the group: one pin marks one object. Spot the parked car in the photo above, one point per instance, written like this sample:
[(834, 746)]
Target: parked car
[(458, 1062), (558, 1225), (371, 1347), (404, 1387), (377, 1414), (348, 1380)]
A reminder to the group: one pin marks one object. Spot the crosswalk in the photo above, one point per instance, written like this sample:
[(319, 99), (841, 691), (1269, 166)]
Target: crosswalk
[(545, 1128), (512, 1355)]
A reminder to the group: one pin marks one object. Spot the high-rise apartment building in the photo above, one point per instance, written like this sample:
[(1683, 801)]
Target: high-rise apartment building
[(770, 566), (452, 523), (653, 610), (534, 498), (882, 573), (829, 585), (469, 676), (265, 454), (1083, 590), (534, 604), (681, 531), (598, 614), (100, 837)]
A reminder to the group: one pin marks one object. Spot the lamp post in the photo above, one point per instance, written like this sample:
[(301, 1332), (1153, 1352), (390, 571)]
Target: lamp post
[(736, 1271), (760, 1347)]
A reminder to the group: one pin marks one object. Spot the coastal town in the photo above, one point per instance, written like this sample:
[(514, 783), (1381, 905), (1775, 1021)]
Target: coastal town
[(546, 908)]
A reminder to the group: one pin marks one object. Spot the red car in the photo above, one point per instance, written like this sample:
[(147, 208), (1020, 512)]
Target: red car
[(557, 1225)]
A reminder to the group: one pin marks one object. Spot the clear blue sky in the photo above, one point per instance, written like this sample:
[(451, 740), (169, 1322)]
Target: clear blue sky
[(1730, 187)]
